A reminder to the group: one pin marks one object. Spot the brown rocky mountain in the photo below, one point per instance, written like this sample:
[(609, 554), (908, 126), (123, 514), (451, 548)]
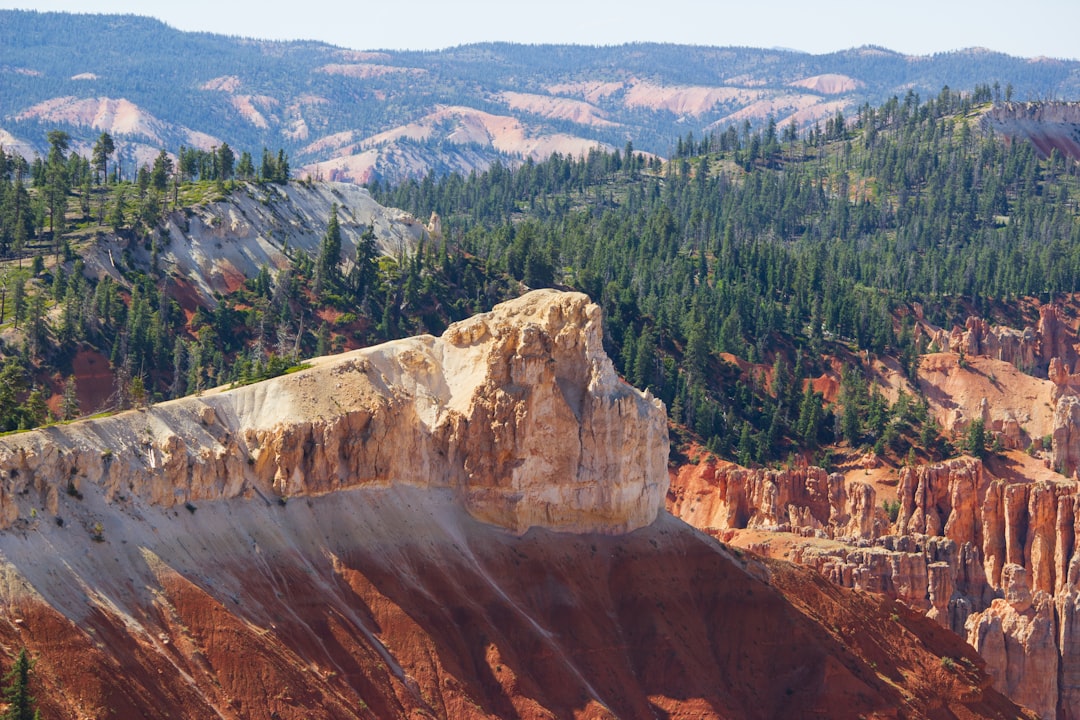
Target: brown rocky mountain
[(454, 527), (1048, 126)]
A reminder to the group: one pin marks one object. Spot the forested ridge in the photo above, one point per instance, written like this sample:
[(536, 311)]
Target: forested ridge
[(749, 263), (83, 73), (157, 342), (784, 250)]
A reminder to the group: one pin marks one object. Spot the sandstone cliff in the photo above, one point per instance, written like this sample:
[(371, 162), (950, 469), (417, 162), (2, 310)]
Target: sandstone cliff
[(457, 527), (996, 562), (519, 412)]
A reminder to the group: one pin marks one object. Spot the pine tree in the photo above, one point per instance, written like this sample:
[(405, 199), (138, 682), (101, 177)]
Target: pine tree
[(975, 438), (245, 168), (69, 403), (226, 161), (322, 340), (809, 423), (17, 690), (326, 266), (103, 148), (57, 181), (365, 271)]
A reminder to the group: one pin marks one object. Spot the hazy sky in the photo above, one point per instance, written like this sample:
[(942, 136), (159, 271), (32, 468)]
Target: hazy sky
[(1030, 28)]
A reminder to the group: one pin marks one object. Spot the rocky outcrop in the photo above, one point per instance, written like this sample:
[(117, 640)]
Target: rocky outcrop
[(1015, 636), (518, 412), (1029, 349), (1066, 438), (994, 561), (434, 528), (1048, 126), (940, 500), (802, 500), (218, 245), (978, 337)]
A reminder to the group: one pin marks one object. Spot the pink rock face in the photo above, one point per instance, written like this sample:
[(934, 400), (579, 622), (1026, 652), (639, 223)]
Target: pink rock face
[(1017, 637), (941, 500), (1048, 126), (803, 500), (1066, 437), (995, 562)]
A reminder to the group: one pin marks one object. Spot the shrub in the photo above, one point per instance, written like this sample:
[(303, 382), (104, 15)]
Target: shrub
[(345, 319), (891, 508)]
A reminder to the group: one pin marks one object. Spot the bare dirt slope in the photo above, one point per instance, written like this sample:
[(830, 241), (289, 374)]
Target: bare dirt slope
[(390, 603), (220, 244)]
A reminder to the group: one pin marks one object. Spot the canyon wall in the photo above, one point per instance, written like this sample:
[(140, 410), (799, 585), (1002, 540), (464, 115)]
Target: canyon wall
[(996, 562), (994, 559)]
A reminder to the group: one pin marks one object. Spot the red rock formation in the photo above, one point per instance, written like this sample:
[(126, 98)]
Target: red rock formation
[(989, 559), (381, 604), (398, 534), (1016, 637), (1055, 339), (1017, 347), (804, 500), (1032, 348), (1066, 437)]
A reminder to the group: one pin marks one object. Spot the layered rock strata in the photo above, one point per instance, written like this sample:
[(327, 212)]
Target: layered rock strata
[(462, 527), (518, 411), (1049, 126), (996, 562)]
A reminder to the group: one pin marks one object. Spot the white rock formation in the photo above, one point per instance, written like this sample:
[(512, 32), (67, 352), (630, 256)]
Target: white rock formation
[(517, 412)]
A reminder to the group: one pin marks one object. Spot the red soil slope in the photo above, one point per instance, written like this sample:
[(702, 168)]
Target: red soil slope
[(391, 604)]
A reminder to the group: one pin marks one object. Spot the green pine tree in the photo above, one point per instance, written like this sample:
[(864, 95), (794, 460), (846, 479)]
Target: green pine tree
[(17, 690)]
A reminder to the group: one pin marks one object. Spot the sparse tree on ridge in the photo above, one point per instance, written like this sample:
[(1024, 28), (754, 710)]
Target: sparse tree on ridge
[(226, 162), (103, 148)]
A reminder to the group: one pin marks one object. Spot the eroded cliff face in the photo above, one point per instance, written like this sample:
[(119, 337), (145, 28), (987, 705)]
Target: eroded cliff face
[(806, 501), (517, 411), (1048, 126), (457, 527), (996, 562), (215, 246)]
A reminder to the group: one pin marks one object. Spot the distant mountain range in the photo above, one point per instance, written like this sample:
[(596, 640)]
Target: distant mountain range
[(350, 115)]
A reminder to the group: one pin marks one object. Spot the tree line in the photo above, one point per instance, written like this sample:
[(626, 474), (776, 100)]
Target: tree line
[(773, 246)]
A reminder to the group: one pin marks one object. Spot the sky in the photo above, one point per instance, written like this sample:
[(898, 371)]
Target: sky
[(1033, 28)]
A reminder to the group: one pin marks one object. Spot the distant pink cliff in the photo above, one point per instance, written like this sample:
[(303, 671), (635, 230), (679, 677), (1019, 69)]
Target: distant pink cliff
[(1048, 126)]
